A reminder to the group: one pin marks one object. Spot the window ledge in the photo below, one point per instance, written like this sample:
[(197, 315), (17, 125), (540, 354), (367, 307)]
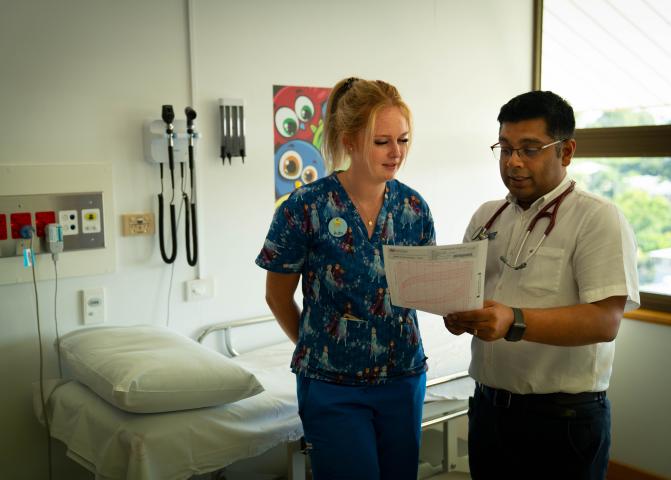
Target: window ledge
[(644, 141), (651, 316)]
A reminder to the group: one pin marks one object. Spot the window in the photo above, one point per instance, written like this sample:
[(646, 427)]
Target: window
[(642, 189), (611, 60)]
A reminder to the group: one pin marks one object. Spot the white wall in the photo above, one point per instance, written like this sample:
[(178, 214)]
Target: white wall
[(79, 77), (640, 396)]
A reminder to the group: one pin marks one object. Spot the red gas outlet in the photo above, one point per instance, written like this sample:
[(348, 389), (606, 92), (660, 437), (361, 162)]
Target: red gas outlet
[(18, 221), (41, 221), (3, 226)]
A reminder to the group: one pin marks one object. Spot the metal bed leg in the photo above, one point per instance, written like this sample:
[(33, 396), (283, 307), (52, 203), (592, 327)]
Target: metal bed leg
[(451, 450), (296, 460), (450, 461), (446, 456)]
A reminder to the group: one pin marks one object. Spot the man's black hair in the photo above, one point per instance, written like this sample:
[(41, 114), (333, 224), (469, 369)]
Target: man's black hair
[(556, 112)]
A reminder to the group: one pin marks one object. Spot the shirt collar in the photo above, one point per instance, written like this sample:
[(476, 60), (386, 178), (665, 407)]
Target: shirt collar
[(548, 197)]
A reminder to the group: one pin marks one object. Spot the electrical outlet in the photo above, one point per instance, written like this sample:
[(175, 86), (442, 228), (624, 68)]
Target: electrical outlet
[(138, 224), (70, 221), (3, 227), (199, 289), (42, 219), (18, 221), (91, 220)]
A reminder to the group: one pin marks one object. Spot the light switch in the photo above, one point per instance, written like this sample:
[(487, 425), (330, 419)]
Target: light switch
[(93, 305), (199, 289)]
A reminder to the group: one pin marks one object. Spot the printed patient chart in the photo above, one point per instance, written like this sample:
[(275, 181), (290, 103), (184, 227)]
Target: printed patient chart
[(440, 280)]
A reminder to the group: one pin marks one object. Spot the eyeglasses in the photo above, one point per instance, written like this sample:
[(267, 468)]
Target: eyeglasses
[(525, 153)]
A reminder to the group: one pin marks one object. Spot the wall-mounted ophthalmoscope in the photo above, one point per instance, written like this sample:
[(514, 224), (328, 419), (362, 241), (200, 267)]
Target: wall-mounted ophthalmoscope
[(191, 235)]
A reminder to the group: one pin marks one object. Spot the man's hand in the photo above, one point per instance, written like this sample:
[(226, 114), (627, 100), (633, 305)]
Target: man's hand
[(488, 323), (453, 329), (569, 326)]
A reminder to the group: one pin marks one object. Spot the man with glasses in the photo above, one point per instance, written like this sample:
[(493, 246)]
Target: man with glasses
[(561, 270)]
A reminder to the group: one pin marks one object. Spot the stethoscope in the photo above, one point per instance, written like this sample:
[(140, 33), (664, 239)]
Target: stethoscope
[(483, 233)]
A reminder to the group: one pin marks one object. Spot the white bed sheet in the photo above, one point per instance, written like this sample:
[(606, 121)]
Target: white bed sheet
[(448, 354), (176, 445)]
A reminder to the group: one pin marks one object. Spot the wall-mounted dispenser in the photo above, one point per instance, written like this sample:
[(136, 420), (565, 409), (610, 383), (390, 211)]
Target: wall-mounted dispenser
[(232, 117)]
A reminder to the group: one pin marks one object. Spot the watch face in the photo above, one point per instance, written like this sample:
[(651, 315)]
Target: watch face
[(516, 332)]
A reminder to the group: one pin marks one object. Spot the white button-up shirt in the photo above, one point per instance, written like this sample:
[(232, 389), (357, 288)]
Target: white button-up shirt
[(590, 255)]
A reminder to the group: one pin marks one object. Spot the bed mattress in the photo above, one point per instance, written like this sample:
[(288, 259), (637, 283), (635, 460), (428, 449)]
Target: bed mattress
[(177, 445)]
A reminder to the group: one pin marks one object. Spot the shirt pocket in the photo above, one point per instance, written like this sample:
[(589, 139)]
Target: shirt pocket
[(543, 271)]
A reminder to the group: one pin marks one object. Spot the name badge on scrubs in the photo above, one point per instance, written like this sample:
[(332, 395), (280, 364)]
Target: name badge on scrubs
[(337, 226)]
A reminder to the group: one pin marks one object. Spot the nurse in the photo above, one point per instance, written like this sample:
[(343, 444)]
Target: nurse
[(360, 378)]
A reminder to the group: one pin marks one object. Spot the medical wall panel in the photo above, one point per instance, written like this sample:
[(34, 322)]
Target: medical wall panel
[(79, 197)]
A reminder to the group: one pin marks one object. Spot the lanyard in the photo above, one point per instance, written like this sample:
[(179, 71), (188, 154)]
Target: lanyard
[(483, 233)]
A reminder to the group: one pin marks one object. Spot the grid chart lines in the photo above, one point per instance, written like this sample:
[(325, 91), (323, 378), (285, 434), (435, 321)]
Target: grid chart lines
[(428, 283)]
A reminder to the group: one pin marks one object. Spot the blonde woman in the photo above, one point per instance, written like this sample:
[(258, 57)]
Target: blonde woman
[(360, 378)]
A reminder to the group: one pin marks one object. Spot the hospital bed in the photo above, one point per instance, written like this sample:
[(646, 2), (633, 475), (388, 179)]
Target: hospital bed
[(113, 443)]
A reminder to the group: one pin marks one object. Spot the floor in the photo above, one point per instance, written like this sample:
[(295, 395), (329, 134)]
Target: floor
[(429, 471), (451, 476)]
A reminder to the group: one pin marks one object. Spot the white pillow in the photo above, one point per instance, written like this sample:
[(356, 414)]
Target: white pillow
[(148, 369)]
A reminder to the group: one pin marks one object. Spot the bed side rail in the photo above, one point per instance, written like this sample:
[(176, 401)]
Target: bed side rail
[(446, 378), (228, 326), (444, 417)]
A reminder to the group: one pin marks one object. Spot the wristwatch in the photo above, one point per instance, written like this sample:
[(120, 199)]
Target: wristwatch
[(516, 330)]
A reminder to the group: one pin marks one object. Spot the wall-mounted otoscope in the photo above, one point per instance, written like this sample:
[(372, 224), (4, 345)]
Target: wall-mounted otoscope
[(168, 115)]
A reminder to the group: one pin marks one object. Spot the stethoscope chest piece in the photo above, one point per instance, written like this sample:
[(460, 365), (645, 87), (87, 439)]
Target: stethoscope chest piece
[(483, 234)]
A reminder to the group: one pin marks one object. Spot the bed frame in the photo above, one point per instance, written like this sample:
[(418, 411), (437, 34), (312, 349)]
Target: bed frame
[(435, 413), (137, 441)]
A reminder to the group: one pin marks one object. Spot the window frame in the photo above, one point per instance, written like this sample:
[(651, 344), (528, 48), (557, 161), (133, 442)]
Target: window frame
[(638, 141)]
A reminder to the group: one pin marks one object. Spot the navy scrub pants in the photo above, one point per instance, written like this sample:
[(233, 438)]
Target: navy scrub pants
[(367, 432)]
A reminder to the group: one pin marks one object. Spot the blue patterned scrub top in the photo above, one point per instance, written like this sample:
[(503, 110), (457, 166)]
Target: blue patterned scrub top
[(349, 332)]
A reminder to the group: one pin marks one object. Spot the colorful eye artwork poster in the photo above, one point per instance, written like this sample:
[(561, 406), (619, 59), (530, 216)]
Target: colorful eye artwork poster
[(299, 114)]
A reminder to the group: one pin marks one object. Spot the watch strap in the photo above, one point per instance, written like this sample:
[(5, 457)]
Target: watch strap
[(516, 330)]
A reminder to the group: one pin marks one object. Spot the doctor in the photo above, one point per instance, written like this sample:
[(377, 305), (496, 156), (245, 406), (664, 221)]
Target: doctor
[(561, 270)]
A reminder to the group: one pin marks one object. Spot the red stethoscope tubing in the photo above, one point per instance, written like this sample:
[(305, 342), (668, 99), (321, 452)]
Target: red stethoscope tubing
[(553, 216), (483, 233)]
